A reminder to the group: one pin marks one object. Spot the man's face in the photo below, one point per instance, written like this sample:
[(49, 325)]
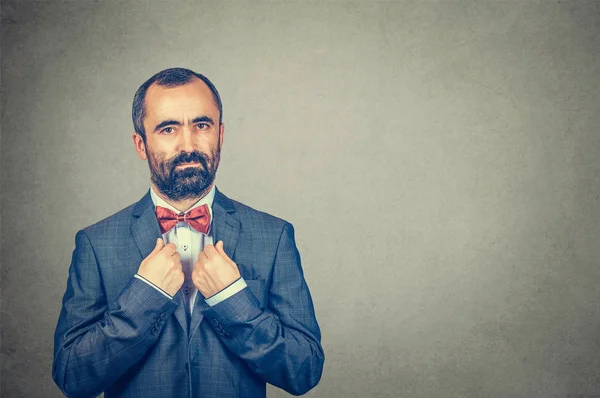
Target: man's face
[(183, 139)]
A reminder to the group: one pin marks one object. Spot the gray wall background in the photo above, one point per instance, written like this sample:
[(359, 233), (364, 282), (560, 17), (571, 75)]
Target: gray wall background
[(439, 160)]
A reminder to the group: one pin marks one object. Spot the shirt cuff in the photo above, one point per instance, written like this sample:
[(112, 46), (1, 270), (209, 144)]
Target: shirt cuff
[(227, 292), (153, 285)]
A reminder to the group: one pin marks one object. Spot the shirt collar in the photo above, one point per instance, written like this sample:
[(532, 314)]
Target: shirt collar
[(207, 199)]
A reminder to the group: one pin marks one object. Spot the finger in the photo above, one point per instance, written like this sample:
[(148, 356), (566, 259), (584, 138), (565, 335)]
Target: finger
[(197, 278), (170, 249), (202, 258), (178, 265), (210, 251)]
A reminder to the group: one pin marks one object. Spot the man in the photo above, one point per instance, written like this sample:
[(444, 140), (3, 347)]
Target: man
[(186, 293)]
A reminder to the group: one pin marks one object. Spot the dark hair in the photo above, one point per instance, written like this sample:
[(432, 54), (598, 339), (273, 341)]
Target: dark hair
[(172, 77)]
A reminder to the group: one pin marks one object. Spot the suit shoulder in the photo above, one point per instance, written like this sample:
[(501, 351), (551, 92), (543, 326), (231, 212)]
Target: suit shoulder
[(249, 214), (119, 221)]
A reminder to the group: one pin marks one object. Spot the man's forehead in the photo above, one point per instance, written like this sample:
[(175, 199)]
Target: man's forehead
[(189, 96)]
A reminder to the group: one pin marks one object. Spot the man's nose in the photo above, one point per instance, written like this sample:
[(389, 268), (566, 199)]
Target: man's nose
[(186, 140)]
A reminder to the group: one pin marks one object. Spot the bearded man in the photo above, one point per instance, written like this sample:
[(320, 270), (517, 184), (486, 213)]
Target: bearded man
[(185, 293)]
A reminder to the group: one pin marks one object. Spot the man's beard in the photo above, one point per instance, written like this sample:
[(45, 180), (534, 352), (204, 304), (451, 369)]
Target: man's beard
[(189, 182)]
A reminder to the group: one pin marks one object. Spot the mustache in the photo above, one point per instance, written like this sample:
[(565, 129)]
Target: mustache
[(189, 157)]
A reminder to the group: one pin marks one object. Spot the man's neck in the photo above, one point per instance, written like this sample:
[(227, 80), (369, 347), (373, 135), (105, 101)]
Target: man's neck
[(182, 205)]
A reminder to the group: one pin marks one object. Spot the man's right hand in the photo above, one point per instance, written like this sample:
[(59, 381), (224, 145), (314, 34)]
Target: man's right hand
[(163, 267)]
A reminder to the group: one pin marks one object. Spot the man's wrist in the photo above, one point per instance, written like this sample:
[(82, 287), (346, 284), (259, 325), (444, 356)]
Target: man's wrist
[(153, 285), (226, 292)]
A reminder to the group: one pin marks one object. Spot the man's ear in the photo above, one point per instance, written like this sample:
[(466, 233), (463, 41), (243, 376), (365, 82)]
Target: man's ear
[(221, 133), (140, 146)]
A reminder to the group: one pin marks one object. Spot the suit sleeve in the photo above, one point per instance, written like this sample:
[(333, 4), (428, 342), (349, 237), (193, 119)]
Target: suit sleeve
[(94, 346), (281, 343)]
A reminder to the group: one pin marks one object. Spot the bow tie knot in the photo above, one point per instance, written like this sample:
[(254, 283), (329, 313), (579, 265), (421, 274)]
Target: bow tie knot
[(197, 218)]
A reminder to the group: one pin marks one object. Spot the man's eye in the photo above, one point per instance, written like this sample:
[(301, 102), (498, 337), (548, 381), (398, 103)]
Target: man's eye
[(168, 130), (202, 126)]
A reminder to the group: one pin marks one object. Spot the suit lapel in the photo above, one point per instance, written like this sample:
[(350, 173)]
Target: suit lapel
[(146, 231), (145, 228), (225, 227)]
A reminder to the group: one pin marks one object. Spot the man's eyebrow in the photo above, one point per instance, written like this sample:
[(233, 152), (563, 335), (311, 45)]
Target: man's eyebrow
[(165, 123), (199, 119), (203, 119)]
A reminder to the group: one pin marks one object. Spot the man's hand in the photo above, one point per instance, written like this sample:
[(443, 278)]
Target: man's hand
[(214, 270), (163, 267)]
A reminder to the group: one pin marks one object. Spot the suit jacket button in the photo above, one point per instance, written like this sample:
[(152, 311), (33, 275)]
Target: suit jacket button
[(187, 367), (163, 316), (215, 322)]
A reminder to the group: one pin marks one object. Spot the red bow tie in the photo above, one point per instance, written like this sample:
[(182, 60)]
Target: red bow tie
[(198, 218)]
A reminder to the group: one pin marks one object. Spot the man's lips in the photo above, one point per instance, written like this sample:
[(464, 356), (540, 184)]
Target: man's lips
[(188, 164)]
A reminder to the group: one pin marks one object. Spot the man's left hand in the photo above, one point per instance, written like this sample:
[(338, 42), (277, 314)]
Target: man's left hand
[(214, 270)]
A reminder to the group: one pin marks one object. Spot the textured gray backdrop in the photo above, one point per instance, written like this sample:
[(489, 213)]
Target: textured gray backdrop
[(439, 160)]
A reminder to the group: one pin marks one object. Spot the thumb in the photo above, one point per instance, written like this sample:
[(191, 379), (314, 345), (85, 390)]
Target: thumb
[(219, 247), (159, 245)]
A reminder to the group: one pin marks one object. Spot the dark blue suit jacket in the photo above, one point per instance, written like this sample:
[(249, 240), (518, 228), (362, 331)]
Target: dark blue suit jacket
[(119, 335)]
